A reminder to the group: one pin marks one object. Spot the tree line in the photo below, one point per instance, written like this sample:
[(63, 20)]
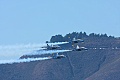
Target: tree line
[(79, 35)]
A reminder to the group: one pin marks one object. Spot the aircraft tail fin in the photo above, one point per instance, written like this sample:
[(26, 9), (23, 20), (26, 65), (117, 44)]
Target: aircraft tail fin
[(74, 39), (48, 45), (55, 55), (77, 47)]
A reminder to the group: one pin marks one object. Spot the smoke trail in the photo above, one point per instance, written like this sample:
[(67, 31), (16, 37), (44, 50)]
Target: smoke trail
[(57, 43), (15, 51), (39, 52), (23, 60)]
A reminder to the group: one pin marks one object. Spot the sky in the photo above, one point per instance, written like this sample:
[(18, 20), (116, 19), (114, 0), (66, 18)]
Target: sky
[(35, 21)]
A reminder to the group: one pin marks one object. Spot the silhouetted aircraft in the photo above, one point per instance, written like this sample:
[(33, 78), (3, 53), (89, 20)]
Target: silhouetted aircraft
[(79, 48), (52, 47), (77, 40), (57, 56)]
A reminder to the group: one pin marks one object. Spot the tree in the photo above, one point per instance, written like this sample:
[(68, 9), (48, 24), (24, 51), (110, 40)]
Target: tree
[(57, 38)]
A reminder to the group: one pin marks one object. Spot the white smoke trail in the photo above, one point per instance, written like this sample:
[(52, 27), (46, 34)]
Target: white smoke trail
[(57, 43), (22, 60), (10, 54), (16, 51), (46, 52)]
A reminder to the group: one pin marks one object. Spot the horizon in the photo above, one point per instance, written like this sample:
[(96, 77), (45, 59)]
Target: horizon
[(28, 21), (32, 43)]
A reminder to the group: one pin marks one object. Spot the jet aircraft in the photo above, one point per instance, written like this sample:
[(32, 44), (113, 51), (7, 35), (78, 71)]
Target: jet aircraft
[(77, 40), (79, 48), (57, 56), (52, 47)]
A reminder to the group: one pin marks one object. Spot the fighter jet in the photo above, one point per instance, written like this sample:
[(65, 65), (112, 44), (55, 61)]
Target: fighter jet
[(57, 56), (79, 48), (77, 40), (52, 47)]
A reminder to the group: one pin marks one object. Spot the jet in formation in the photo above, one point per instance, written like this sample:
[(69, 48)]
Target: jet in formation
[(56, 47), (77, 40), (53, 48), (80, 48), (58, 56)]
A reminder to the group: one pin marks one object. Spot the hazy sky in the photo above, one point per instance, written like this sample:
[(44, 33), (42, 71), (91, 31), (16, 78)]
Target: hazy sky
[(35, 21)]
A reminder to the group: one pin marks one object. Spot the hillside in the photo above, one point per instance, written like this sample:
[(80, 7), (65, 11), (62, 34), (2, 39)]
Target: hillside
[(101, 63)]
